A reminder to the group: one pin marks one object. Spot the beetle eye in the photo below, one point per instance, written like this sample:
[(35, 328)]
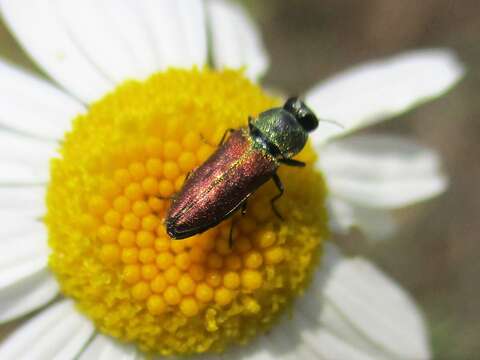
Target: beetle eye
[(302, 113)]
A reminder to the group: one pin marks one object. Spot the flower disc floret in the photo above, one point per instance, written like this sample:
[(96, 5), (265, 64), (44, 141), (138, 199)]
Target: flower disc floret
[(107, 200)]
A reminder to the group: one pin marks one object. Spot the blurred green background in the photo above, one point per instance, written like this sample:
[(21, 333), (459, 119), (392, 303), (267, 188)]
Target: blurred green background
[(436, 253)]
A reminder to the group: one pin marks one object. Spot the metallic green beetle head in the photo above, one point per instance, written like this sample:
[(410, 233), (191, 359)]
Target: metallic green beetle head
[(285, 130)]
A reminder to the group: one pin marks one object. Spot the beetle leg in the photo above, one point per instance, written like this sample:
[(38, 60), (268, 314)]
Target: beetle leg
[(230, 235), (204, 140), (251, 127), (165, 197), (228, 131), (281, 189), (291, 162), (243, 211), (244, 208), (173, 196)]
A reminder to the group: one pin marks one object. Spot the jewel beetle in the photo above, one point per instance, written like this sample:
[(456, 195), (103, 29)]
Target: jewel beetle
[(243, 162)]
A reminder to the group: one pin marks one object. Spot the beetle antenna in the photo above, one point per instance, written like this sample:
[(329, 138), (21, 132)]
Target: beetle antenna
[(333, 122)]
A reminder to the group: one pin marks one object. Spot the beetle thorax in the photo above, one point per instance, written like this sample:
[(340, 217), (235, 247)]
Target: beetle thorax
[(282, 131)]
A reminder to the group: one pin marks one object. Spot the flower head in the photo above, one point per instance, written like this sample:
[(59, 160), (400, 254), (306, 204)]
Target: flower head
[(103, 197), (106, 205)]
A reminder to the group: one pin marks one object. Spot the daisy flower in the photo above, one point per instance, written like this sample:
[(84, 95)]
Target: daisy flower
[(141, 92)]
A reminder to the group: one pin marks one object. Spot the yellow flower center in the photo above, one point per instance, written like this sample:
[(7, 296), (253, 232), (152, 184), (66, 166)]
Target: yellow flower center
[(107, 201)]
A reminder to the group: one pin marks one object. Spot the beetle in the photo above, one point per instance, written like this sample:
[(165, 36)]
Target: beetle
[(243, 162)]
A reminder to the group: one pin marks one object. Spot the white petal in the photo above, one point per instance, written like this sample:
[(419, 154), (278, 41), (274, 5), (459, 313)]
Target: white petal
[(41, 30), (127, 25), (285, 340), (179, 31), (235, 39), (352, 311), (58, 332), (382, 89), (33, 106), (381, 171), (258, 349), (89, 46), (321, 342), (376, 224), (171, 32), (27, 295), (92, 29), (353, 300), (106, 348), (205, 356), (16, 224), (22, 255), (297, 337), (24, 160), (27, 200), (341, 216)]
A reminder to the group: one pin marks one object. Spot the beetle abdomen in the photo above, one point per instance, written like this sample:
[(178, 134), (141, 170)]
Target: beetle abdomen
[(219, 186)]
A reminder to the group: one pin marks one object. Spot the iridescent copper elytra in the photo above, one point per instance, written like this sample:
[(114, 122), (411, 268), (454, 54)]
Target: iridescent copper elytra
[(248, 158)]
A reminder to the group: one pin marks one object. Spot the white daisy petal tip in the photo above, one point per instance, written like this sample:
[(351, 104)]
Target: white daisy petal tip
[(381, 89), (382, 171)]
